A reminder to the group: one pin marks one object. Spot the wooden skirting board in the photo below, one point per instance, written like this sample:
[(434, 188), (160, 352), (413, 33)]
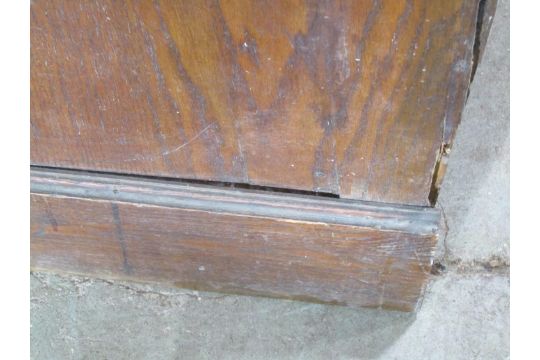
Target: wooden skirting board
[(205, 237)]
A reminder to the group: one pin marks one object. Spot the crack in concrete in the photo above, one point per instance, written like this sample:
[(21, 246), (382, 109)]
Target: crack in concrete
[(447, 262), (77, 280)]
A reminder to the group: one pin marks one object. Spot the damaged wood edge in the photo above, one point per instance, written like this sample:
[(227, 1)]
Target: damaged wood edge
[(486, 12), (484, 19), (176, 194), (438, 173)]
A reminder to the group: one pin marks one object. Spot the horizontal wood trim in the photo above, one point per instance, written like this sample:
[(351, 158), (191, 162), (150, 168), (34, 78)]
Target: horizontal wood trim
[(248, 242), (174, 194)]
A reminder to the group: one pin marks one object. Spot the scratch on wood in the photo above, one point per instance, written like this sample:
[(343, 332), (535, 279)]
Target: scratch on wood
[(189, 142), (167, 152), (50, 216), (120, 236)]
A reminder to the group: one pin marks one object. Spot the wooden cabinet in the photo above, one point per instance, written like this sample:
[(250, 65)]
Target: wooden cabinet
[(283, 148)]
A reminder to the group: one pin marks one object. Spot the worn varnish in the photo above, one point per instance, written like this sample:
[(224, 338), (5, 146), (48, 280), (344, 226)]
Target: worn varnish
[(356, 98), (279, 245)]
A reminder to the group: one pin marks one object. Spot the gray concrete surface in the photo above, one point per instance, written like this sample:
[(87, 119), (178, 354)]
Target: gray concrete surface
[(464, 316), (465, 313)]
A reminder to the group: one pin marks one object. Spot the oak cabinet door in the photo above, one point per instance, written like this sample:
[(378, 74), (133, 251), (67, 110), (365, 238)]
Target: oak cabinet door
[(353, 98)]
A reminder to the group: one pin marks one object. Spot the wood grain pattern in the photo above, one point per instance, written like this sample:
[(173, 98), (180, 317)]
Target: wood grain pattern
[(355, 98), (228, 240)]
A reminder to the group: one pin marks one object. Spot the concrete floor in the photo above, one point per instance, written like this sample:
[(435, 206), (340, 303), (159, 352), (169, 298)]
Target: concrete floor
[(464, 316), (465, 313)]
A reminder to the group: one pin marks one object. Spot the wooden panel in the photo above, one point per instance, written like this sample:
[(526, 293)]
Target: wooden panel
[(355, 98), (280, 245)]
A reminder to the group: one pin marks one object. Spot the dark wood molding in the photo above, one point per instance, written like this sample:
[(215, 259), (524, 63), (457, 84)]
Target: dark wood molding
[(241, 241), (176, 194)]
